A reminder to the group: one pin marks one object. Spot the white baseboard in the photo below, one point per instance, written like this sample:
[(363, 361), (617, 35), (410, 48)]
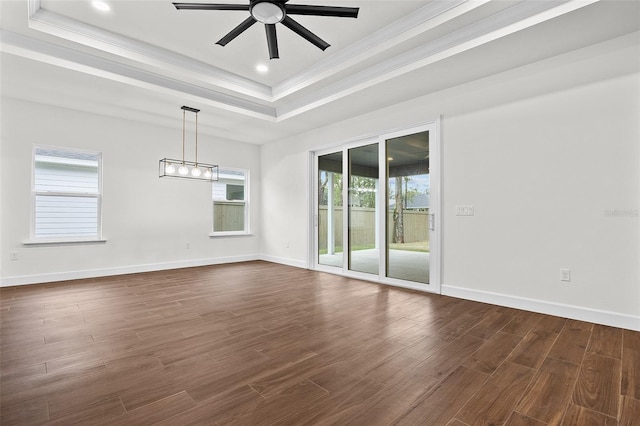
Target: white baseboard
[(609, 318), (284, 261), (121, 270)]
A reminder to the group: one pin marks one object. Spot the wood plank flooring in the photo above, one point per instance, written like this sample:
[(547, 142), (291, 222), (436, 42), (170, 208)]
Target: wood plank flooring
[(259, 344)]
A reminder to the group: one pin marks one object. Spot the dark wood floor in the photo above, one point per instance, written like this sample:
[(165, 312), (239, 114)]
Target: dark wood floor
[(258, 343)]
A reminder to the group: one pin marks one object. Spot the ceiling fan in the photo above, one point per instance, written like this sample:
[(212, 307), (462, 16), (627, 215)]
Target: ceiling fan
[(271, 12)]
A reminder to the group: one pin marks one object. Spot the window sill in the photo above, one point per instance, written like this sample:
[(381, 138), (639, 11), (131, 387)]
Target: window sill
[(230, 234), (65, 241)]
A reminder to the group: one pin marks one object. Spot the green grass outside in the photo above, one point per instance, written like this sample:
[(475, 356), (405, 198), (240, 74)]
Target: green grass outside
[(421, 246)]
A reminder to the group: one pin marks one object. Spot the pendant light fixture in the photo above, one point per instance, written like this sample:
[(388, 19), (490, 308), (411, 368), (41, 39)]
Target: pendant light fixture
[(188, 169)]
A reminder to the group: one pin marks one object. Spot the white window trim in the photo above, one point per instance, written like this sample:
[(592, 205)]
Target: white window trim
[(63, 241), (247, 210), (229, 234), (33, 240)]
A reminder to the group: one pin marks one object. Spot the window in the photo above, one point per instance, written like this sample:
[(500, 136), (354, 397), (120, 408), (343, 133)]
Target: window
[(231, 202), (67, 192)]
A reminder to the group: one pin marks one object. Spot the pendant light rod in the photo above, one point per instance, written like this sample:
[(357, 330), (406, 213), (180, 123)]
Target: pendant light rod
[(184, 109), (184, 112), (196, 139)]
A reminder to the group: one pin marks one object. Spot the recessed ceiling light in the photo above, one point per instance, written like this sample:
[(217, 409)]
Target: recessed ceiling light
[(262, 68), (101, 6)]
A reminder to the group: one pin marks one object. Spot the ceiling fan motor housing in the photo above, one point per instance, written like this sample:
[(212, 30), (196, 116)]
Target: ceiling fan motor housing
[(267, 12)]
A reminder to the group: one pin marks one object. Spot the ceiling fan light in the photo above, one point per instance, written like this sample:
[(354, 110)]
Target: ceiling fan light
[(267, 12)]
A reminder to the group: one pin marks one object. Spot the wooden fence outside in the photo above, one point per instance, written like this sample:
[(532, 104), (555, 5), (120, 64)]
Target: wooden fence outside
[(363, 220), (228, 216)]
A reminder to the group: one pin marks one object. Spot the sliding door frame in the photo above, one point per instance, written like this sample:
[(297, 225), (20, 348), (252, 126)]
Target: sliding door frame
[(315, 220), (435, 232), (435, 172)]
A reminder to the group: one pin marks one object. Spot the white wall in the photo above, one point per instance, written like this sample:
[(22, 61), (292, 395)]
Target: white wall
[(544, 152), (147, 221)]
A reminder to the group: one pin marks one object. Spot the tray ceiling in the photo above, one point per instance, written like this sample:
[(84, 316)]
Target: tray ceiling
[(151, 46)]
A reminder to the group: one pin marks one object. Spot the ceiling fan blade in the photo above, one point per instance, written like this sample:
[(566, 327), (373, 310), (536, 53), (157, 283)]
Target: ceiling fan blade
[(210, 6), (272, 41), (342, 12), (304, 33), (237, 31)]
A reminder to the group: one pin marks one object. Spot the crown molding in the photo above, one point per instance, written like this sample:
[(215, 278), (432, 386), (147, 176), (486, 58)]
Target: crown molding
[(424, 19), (43, 51), (494, 27), (179, 66), (165, 71)]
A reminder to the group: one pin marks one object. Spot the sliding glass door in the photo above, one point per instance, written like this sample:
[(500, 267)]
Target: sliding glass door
[(364, 241), (408, 203), (329, 214), (375, 209)]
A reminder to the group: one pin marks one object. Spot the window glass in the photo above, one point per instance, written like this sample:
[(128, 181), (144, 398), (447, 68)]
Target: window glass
[(230, 201), (66, 194)]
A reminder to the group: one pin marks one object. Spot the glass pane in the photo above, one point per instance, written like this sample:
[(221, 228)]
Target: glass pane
[(408, 208), (228, 217), (330, 246), (229, 195), (229, 186), (65, 216), (66, 171), (363, 190)]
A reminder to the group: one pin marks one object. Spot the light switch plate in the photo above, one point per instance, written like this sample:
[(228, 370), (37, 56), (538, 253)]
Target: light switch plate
[(464, 210)]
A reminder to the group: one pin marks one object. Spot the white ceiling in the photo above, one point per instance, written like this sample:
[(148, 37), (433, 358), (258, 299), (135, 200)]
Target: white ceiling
[(144, 59)]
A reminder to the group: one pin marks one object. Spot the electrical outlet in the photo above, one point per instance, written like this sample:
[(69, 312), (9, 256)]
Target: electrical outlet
[(464, 210), (565, 275), (14, 255)]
